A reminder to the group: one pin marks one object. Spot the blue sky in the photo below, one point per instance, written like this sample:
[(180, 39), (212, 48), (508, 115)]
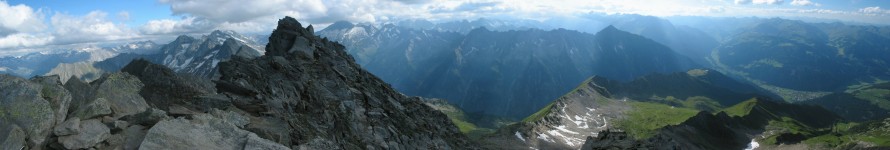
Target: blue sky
[(139, 11), (38, 25)]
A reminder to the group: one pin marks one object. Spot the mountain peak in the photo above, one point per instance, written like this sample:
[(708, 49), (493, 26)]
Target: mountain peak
[(340, 25), (290, 37), (610, 28)]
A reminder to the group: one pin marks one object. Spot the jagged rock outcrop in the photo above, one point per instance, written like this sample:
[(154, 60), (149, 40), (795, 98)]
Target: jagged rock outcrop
[(311, 85), (608, 139), (165, 89)]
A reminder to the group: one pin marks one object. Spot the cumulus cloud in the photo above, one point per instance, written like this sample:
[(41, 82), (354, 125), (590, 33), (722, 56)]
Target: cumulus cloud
[(89, 28), (874, 11), (19, 40), (230, 14), (756, 2), (183, 26), (414, 1), (804, 3), (234, 10), (19, 18)]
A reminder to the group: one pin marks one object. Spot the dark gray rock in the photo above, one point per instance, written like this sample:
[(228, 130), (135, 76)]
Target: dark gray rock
[(24, 106), (164, 88), (312, 86), (133, 136), (122, 92), (148, 117), (11, 137), (204, 131), (81, 93), (254, 142), (115, 141), (53, 91), (69, 127), (91, 133), (96, 108), (611, 139)]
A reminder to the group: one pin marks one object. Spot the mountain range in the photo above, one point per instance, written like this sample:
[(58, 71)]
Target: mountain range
[(619, 82), (521, 70)]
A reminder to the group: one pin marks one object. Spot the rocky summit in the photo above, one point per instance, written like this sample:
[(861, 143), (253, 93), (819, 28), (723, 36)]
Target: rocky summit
[(305, 93), (314, 88)]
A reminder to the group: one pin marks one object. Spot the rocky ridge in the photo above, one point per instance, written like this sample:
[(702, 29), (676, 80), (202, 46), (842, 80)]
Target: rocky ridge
[(567, 122), (306, 93)]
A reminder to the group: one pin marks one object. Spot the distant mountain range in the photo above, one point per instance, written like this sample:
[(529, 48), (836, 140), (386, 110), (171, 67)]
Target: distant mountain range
[(186, 54), (513, 70)]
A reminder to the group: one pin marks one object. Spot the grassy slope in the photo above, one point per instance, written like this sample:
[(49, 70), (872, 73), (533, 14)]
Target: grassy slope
[(845, 134), (741, 109), (459, 119), (645, 118), (546, 109)]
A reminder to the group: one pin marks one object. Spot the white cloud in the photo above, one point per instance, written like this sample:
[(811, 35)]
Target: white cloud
[(230, 14), (234, 10), (19, 40), (756, 2), (93, 27), (770, 2), (182, 26), (19, 18), (874, 11), (804, 3)]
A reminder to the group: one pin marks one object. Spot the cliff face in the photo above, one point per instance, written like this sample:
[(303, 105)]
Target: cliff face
[(312, 86)]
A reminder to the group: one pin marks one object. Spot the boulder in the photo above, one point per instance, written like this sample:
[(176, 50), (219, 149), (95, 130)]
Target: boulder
[(204, 131), (11, 137), (133, 137), (58, 98), (95, 108), (148, 117), (69, 127), (22, 105), (92, 132), (81, 93), (122, 92)]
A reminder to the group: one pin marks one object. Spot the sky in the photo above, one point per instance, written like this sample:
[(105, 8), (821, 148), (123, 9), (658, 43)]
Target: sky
[(40, 25)]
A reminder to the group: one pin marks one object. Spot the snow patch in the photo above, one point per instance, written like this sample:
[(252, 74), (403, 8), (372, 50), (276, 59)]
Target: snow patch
[(519, 136), (563, 129), (753, 145), (545, 138)]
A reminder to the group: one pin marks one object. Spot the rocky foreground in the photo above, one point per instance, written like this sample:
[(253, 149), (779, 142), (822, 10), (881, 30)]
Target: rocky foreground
[(305, 93)]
